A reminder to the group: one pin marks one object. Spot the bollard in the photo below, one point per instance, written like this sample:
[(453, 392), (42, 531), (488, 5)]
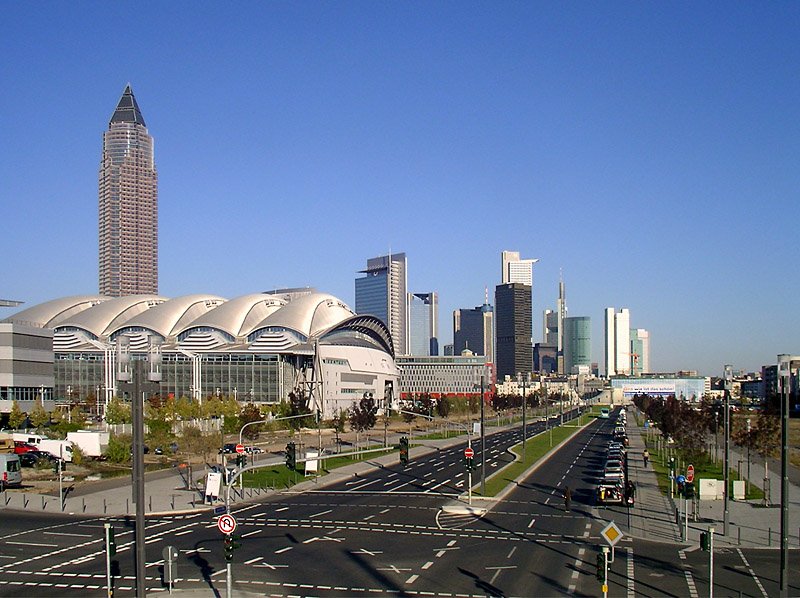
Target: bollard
[(105, 507), (43, 503), (769, 537), (739, 530), (172, 502), (84, 504), (150, 503), (25, 501), (127, 508)]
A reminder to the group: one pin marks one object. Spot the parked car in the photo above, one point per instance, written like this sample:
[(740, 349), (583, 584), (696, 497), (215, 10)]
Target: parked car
[(34, 458), (253, 450), (23, 447), (227, 448), (10, 470)]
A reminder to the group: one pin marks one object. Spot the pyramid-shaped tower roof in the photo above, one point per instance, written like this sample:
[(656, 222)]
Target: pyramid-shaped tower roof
[(127, 109)]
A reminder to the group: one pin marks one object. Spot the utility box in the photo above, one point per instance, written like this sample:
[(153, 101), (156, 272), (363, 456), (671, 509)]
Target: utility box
[(738, 490)]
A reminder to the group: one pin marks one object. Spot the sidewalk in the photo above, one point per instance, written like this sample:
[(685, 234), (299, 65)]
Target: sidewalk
[(750, 525)]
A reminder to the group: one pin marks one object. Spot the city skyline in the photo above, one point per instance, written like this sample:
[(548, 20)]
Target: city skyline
[(635, 143)]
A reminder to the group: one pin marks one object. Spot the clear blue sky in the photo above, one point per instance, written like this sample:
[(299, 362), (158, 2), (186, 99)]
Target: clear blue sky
[(649, 150)]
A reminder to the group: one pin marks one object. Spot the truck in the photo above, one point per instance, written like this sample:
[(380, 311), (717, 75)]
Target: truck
[(6, 443), (91, 442), (59, 448)]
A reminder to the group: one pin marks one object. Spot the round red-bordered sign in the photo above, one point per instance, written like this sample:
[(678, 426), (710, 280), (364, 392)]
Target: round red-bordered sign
[(469, 453), (690, 474), (226, 524), (240, 448)]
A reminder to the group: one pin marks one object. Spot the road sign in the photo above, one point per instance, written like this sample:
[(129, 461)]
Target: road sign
[(611, 533), (220, 509), (240, 448), (226, 524), (690, 474), (469, 453)]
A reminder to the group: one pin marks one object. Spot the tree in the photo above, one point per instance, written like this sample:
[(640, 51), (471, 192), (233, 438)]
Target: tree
[(338, 422), (186, 408), (119, 448), (296, 405), (39, 415), (195, 442), (15, 416), (118, 412), (250, 413), (443, 407), (363, 416)]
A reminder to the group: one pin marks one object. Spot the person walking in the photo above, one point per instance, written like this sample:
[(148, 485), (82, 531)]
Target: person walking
[(567, 498), (645, 457)]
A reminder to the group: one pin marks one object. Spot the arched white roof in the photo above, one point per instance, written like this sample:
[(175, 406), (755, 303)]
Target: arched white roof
[(310, 315), (238, 317), (111, 314), (170, 317), (51, 313)]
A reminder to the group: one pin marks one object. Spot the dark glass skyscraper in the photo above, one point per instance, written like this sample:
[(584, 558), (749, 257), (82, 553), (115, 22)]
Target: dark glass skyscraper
[(423, 324), (128, 205), (473, 329), (514, 325), (382, 292)]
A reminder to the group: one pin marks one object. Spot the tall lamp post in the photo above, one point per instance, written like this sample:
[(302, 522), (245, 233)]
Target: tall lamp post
[(784, 381), (726, 419), (521, 379), (136, 389), (483, 439)]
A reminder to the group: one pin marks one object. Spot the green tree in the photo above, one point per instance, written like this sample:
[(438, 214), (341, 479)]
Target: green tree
[(39, 416), (186, 408), (194, 442), (119, 448), (443, 407), (250, 413), (295, 406), (118, 412), (363, 416), (77, 455), (15, 416)]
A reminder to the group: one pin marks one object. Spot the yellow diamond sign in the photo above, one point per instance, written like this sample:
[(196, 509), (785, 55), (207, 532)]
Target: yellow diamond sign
[(611, 533)]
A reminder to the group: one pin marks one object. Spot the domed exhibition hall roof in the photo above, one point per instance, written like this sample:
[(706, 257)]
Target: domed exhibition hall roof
[(255, 322)]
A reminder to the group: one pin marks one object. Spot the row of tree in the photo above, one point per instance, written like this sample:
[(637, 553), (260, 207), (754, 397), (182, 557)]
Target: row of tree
[(689, 424)]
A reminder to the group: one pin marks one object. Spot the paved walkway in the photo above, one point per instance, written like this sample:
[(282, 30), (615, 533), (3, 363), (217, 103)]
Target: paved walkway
[(750, 524)]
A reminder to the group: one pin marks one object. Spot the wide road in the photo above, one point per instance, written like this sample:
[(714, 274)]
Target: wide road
[(385, 533)]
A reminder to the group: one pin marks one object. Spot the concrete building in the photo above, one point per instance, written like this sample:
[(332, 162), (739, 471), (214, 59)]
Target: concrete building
[(423, 323), (617, 342), (473, 329), (516, 270), (577, 344), (26, 366), (457, 375), (128, 205), (254, 348), (513, 316), (383, 292), (688, 388)]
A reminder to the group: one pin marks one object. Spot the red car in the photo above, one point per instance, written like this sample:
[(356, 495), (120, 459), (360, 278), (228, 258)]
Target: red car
[(23, 447)]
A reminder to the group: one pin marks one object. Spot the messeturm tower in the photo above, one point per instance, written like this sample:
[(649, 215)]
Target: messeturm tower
[(128, 206)]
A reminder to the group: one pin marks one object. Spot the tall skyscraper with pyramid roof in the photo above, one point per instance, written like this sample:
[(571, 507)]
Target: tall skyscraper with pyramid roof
[(128, 206)]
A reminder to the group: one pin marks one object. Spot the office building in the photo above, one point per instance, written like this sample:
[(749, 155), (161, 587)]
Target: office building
[(545, 358), (617, 342), (640, 351), (383, 292), (514, 269), (128, 205), (455, 376), (473, 329), (513, 317), (577, 344), (423, 316)]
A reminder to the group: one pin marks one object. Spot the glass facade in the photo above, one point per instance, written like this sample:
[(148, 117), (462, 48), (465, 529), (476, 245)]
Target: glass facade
[(577, 343), (422, 311)]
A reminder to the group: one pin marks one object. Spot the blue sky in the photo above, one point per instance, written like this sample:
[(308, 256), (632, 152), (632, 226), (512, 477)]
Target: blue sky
[(650, 151)]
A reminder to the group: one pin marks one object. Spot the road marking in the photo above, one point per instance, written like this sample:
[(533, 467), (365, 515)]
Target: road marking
[(752, 573), (497, 571), (253, 533), (33, 544), (183, 533), (282, 550), (412, 579), (530, 525), (281, 509), (510, 554), (366, 484), (251, 561), (631, 589), (68, 534), (689, 578), (322, 513), (365, 551), (427, 565), (392, 568)]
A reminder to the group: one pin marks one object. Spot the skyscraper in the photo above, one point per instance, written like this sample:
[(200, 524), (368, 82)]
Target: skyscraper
[(577, 343), (640, 351), (513, 349), (423, 324), (382, 292), (128, 205), (515, 269), (618, 342), (473, 329)]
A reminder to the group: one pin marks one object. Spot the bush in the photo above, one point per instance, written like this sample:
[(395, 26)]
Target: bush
[(77, 455), (119, 448)]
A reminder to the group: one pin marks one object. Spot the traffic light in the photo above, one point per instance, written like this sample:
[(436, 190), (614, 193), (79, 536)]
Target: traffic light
[(705, 541), (228, 547), (688, 490), (601, 567), (241, 460), (291, 455), (672, 463), (404, 450)]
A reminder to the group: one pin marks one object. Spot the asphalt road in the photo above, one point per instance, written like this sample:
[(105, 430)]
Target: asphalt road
[(386, 533)]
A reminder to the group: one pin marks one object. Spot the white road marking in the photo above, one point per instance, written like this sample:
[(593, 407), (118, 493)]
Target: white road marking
[(412, 579), (68, 534), (253, 533), (530, 525), (752, 573), (282, 550), (33, 544), (427, 565), (510, 554), (321, 513)]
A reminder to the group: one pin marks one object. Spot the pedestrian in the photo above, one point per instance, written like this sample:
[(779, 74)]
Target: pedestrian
[(567, 498), (646, 457)]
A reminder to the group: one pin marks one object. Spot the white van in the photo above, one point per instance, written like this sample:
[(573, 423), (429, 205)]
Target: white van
[(10, 470)]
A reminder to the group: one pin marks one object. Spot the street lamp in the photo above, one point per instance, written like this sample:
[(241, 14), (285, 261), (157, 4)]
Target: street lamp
[(784, 381), (727, 423), (521, 380)]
